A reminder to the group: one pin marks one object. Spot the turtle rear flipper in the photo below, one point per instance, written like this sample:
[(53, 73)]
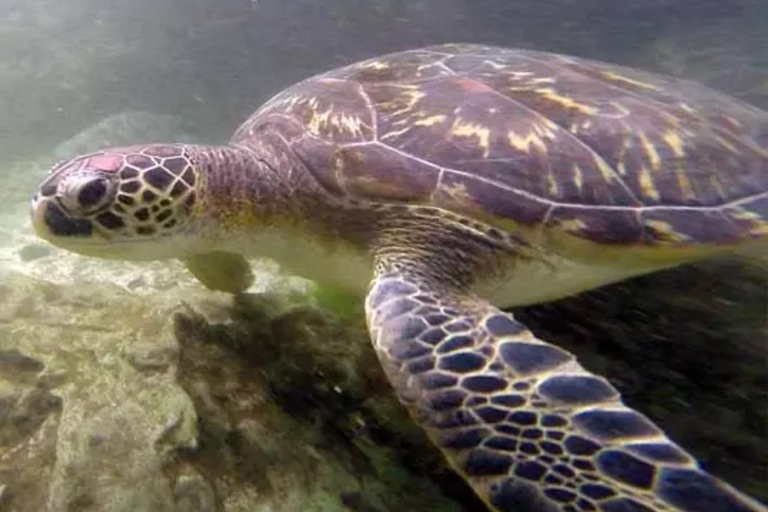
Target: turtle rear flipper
[(527, 426)]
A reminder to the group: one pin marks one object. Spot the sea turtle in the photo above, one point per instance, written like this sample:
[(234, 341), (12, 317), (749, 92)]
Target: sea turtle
[(448, 182)]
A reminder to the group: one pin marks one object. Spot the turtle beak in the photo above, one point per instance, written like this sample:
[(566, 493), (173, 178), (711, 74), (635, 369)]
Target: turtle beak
[(50, 222)]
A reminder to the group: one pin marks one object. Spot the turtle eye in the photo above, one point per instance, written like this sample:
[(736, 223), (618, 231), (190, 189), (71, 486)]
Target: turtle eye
[(85, 196), (92, 194)]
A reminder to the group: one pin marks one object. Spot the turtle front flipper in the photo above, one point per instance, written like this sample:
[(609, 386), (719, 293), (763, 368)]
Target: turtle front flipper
[(221, 271), (529, 428)]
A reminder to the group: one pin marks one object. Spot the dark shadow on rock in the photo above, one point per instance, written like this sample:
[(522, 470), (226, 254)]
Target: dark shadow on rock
[(26, 402), (324, 378)]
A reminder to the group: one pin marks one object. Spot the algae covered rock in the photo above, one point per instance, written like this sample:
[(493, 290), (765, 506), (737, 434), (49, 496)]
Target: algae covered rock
[(105, 426), (186, 402), (294, 409)]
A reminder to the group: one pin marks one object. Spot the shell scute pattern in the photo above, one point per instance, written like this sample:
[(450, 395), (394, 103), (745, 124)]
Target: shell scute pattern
[(411, 68), (604, 152)]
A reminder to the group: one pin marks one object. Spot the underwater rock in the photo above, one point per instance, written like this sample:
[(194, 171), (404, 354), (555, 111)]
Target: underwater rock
[(83, 429), (193, 494), (294, 408), (187, 402)]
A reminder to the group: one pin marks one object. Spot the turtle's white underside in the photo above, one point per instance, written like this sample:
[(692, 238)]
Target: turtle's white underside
[(344, 266)]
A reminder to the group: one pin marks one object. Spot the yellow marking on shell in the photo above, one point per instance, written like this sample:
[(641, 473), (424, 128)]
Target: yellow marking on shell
[(647, 185), (616, 77), (650, 150), (757, 149), (565, 101), (412, 94), (525, 142), (670, 118), (547, 129), (480, 132), (351, 124), (578, 176), (430, 121), (542, 80), (380, 187), (673, 140), (687, 108), (554, 189), (342, 121), (573, 225), (686, 189), (395, 133), (742, 214), (669, 233), (516, 75), (606, 171), (727, 145), (376, 64), (459, 193), (624, 111), (495, 65), (319, 120), (550, 124), (717, 186), (621, 167)]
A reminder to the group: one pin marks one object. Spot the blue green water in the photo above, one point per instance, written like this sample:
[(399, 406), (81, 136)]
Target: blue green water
[(128, 387)]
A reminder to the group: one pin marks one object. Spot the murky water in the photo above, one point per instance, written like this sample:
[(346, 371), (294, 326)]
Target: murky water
[(128, 386)]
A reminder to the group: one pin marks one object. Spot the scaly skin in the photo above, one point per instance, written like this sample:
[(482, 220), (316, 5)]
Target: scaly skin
[(519, 418)]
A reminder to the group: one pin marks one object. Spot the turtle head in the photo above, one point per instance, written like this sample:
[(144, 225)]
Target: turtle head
[(124, 203)]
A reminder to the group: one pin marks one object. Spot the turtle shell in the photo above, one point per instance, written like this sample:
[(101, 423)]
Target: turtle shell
[(606, 153)]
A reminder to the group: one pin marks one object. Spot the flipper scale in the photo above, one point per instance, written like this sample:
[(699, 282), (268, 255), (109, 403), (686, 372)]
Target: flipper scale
[(528, 426)]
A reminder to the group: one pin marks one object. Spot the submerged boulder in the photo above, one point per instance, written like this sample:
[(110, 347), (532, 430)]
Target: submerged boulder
[(186, 402)]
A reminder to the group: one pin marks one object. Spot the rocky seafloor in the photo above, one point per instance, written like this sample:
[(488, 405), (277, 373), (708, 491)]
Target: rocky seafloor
[(129, 387)]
